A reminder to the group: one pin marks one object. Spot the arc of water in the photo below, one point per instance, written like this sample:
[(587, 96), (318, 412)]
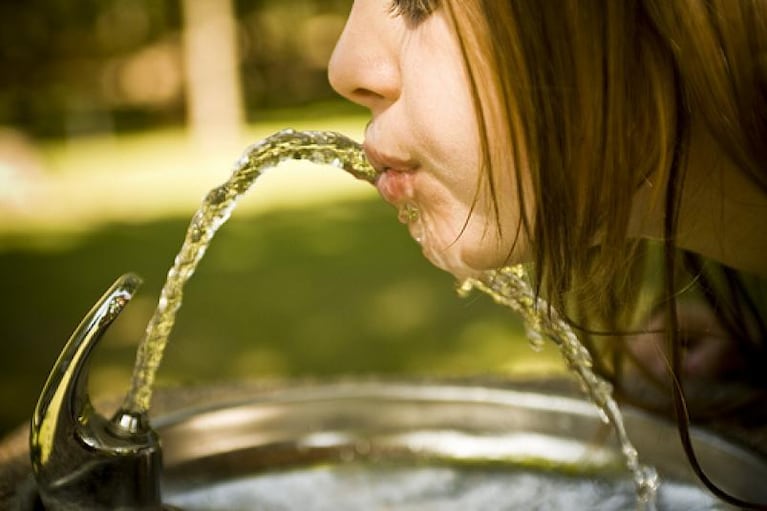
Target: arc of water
[(509, 286), (321, 147)]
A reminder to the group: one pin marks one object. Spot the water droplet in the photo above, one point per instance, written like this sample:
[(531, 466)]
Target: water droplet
[(466, 287), (408, 213), (216, 195), (535, 338)]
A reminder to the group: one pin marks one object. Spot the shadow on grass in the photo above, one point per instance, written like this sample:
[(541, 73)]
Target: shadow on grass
[(315, 292)]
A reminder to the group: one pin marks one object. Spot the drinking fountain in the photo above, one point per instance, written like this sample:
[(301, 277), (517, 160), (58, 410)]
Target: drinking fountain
[(80, 459), (348, 442)]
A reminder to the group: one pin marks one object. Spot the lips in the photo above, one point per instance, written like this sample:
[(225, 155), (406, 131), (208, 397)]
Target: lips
[(395, 183), (395, 186), (396, 174)]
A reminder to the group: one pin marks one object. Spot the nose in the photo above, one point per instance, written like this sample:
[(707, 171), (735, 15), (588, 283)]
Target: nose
[(364, 67)]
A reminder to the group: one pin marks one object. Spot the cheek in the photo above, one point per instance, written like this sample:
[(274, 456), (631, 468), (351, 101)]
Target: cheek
[(450, 144), (482, 242), (459, 216), (461, 226), (440, 109), (461, 240)]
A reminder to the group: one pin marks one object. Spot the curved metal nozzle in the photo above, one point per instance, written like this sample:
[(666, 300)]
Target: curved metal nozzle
[(80, 459)]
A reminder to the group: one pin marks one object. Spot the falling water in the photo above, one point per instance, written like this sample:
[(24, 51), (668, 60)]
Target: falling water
[(325, 148), (509, 286)]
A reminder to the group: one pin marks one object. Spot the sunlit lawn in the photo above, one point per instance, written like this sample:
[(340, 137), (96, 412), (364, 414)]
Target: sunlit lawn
[(312, 277)]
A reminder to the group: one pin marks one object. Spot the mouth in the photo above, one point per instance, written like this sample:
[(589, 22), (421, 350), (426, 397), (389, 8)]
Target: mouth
[(395, 185), (383, 162), (394, 181)]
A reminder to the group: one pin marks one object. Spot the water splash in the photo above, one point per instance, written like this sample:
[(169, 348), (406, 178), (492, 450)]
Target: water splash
[(410, 215), (321, 147), (509, 287)]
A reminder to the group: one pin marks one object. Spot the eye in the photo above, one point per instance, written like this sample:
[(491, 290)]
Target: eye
[(413, 11)]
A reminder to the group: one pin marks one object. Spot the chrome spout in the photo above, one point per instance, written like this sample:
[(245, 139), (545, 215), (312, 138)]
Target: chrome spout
[(80, 459)]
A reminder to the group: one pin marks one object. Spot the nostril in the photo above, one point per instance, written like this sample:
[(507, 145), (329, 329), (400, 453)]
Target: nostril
[(366, 97), (364, 92)]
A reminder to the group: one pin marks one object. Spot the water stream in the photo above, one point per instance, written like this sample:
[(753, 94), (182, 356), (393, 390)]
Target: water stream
[(324, 148), (507, 286)]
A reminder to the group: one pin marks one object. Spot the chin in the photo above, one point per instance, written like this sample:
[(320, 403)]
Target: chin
[(451, 263), (467, 256)]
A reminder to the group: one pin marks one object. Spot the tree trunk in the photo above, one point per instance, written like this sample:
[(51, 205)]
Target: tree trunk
[(214, 92)]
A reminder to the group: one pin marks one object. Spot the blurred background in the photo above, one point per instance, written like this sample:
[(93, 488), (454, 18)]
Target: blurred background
[(116, 118)]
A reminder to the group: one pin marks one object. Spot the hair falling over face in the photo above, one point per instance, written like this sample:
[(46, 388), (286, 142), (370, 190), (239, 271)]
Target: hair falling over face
[(589, 101)]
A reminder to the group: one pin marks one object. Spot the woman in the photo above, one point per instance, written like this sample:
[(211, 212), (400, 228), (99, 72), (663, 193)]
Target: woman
[(577, 135)]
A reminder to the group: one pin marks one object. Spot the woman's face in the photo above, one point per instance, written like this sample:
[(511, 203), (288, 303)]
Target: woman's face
[(423, 135)]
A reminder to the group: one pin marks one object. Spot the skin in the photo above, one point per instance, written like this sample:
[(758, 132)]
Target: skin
[(406, 74), (424, 140), (722, 211)]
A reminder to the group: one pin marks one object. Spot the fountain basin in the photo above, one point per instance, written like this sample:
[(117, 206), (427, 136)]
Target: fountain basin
[(416, 445)]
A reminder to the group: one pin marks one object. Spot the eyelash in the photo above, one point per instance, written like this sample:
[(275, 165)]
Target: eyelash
[(414, 11)]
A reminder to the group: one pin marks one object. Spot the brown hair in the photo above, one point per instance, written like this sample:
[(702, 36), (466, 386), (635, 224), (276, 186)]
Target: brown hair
[(586, 101)]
